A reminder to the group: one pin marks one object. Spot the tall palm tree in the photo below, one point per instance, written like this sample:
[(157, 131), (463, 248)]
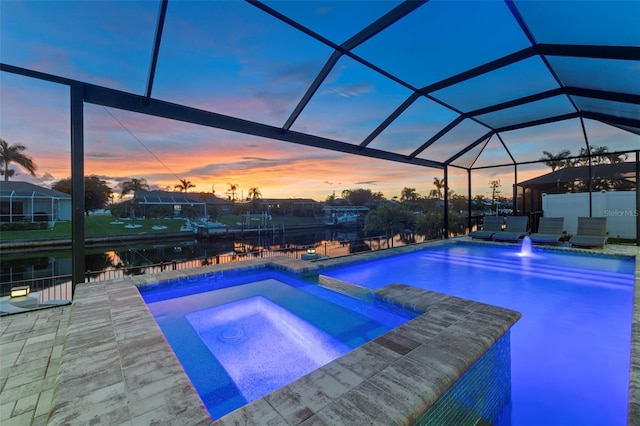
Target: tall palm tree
[(439, 184), (556, 161), (233, 187), (13, 154), (184, 185), (132, 185)]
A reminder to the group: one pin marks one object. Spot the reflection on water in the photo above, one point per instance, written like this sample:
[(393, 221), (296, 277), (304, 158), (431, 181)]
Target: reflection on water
[(135, 259)]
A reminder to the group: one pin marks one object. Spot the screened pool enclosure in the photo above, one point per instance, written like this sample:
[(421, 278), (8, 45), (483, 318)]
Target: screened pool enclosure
[(459, 87)]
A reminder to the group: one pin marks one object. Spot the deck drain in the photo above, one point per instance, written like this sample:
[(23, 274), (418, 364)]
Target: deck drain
[(232, 334)]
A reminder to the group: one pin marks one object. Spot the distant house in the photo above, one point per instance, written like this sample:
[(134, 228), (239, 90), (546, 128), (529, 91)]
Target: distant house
[(610, 177), (178, 200), (292, 206), (223, 205), (26, 202)]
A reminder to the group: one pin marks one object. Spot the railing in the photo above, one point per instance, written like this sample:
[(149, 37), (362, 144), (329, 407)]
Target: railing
[(59, 287), (49, 288)]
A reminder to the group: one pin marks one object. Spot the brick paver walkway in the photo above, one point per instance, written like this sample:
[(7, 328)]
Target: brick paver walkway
[(30, 353)]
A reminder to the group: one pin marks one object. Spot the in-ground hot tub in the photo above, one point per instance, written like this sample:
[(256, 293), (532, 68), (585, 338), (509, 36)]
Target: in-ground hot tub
[(242, 335)]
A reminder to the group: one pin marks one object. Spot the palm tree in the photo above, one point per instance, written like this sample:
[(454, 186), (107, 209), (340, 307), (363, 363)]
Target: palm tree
[(601, 155), (233, 187), (13, 154), (439, 184), (133, 185), (556, 161), (254, 193), (409, 197), (184, 185), (616, 158), (408, 194)]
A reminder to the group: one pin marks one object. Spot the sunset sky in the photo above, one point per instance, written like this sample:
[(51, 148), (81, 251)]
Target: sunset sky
[(232, 58)]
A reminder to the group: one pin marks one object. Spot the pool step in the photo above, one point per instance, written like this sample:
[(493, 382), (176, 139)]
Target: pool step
[(345, 287)]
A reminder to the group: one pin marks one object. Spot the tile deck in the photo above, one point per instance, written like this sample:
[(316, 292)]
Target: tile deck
[(104, 360)]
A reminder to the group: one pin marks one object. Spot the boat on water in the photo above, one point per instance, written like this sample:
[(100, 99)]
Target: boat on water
[(205, 228), (344, 216), (344, 219)]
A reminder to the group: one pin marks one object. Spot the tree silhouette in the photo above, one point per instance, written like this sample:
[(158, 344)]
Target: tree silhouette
[(556, 161), (409, 194), (13, 154), (494, 185), (358, 196), (389, 219), (96, 192), (133, 185), (184, 185), (409, 197), (254, 193), (600, 155), (439, 184), (233, 187)]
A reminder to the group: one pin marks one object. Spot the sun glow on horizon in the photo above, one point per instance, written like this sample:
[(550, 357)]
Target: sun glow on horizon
[(260, 73)]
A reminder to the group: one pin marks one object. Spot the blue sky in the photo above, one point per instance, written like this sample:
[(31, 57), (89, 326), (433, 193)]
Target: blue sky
[(232, 58)]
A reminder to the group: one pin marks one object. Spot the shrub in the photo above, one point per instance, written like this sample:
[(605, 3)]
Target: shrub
[(24, 226)]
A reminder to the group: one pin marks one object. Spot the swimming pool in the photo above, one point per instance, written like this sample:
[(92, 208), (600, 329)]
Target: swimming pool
[(241, 335), (570, 350)]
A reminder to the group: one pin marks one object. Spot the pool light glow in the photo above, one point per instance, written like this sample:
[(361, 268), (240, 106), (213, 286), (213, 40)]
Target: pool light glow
[(261, 345)]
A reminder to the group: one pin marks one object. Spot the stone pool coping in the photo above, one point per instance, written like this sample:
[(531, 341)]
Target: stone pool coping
[(117, 367), (36, 341)]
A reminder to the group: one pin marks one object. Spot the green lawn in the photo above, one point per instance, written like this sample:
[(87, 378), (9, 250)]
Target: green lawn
[(95, 226), (101, 226)]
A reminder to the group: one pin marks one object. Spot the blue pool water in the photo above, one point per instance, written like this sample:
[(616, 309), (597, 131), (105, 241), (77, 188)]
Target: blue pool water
[(240, 336), (571, 348)]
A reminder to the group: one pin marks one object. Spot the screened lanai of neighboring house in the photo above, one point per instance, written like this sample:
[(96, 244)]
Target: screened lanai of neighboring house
[(172, 200), (24, 202), (457, 87)]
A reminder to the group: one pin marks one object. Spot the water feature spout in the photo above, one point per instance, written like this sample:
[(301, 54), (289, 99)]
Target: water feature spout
[(525, 248)]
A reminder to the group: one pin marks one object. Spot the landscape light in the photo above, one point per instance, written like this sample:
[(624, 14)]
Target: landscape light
[(20, 291)]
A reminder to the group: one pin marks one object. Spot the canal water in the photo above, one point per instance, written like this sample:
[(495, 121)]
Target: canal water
[(129, 258)]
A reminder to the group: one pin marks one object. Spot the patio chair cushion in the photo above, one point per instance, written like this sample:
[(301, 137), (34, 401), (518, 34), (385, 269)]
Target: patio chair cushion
[(515, 229), (490, 225), (550, 230), (592, 232)]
